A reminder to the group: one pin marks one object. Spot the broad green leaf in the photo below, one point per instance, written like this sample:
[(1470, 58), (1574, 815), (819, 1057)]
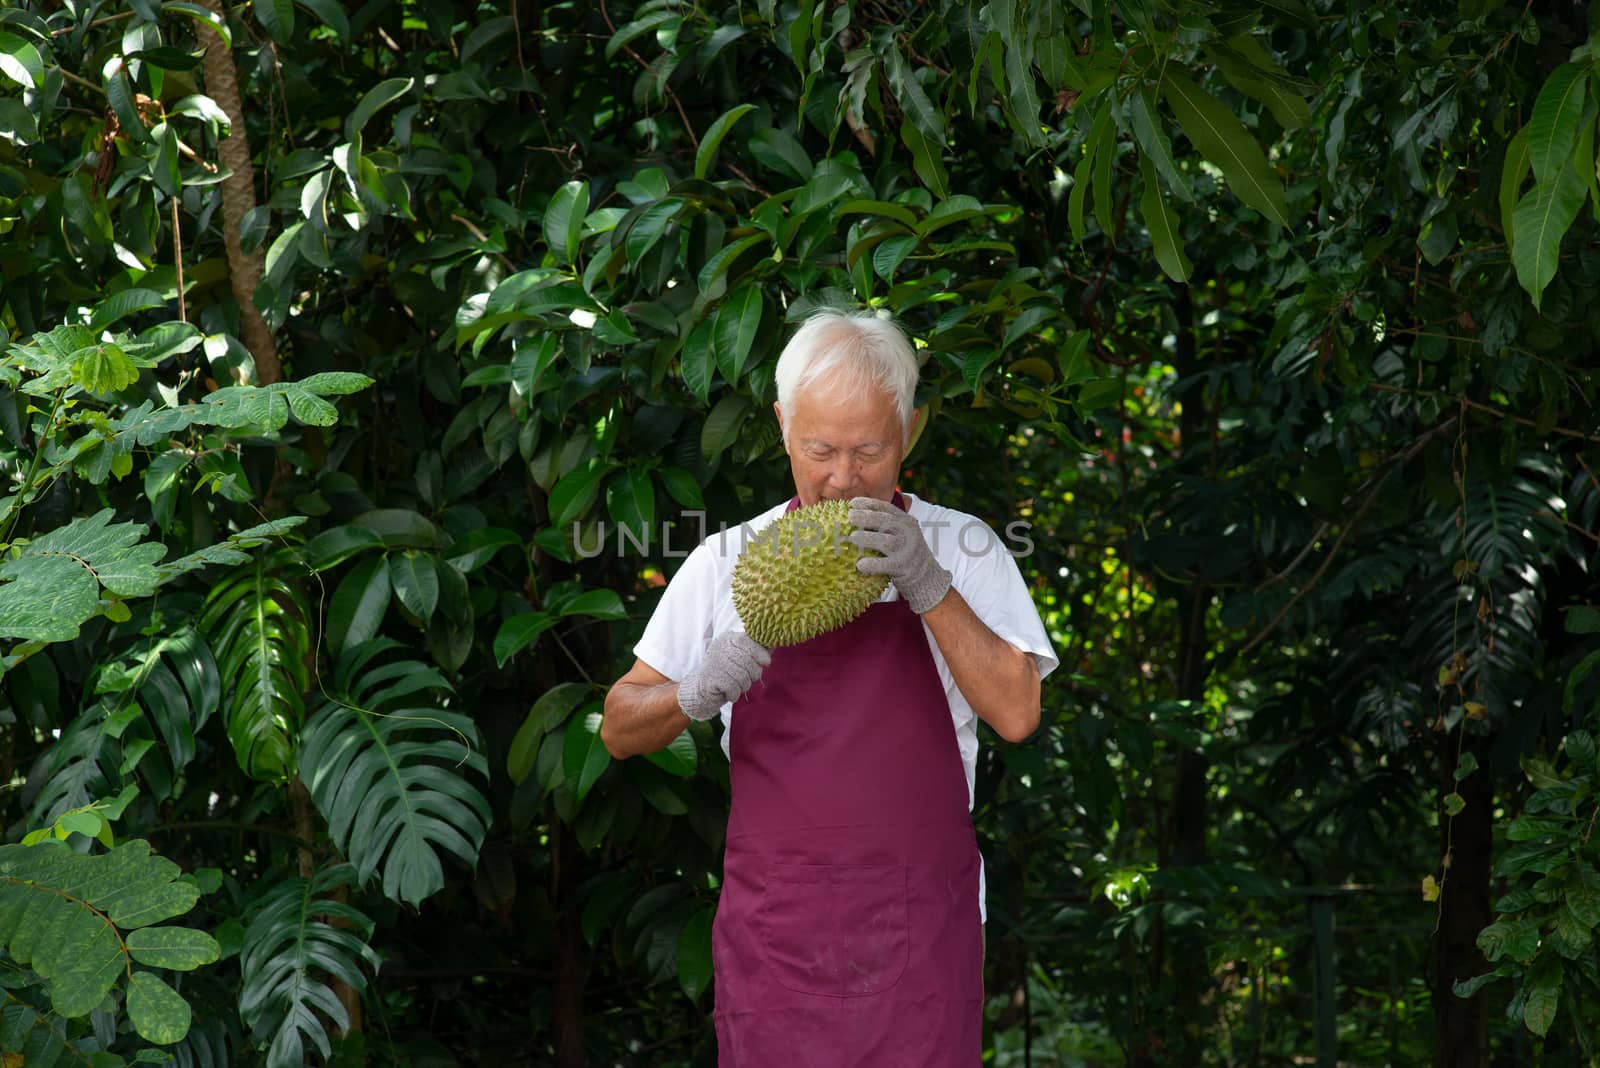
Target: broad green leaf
[(697, 361), (913, 98), (583, 755), (1553, 129), (1540, 221), (165, 171), (20, 61), (376, 99), (1539, 1010), (780, 152), (359, 604), (276, 17), (415, 582), (548, 712), (298, 943), (883, 209), (632, 31), (722, 424), (563, 220), (179, 948), (216, 23), (66, 915), (337, 544), (682, 487), (734, 331), (600, 604), (392, 769), (576, 491), (927, 159), (679, 758), (104, 369), (1249, 69), (119, 306), (694, 954), (1218, 135), (707, 153), (157, 1012), (631, 502), (1165, 238), (650, 227), (331, 12), (519, 632), (477, 547)]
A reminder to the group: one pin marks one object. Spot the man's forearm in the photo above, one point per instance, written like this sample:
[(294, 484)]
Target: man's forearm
[(641, 719), (999, 681)]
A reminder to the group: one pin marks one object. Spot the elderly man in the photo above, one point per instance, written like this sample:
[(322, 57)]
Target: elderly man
[(849, 930)]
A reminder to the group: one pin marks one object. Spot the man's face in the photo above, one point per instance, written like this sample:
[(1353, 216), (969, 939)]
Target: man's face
[(843, 442)]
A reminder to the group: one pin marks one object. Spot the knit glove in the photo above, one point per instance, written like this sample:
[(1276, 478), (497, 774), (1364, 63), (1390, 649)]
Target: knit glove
[(732, 664), (906, 559)]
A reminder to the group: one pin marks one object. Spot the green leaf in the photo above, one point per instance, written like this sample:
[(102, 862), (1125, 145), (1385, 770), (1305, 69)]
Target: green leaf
[(650, 227), (20, 61), (583, 755), (477, 547), (735, 328), (211, 19), (707, 153), (179, 948), (1539, 1010), (66, 915), (388, 765), (519, 632), (276, 17), (1540, 221), (157, 1012), (780, 152), (1154, 144), (263, 652), (718, 264), (563, 220), (1454, 803), (1553, 129), (1249, 69), (359, 604), (105, 369), (1162, 224), (631, 502), (121, 305), (927, 159), (722, 425), (337, 544), (913, 99), (376, 99), (415, 582), (548, 712), (331, 13), (576, 491), (694, 954), (298, 943), (682, 487), (1513, 170), (600, 604), (679, 758), (1218, 135), (632, 31), (1465, 766)]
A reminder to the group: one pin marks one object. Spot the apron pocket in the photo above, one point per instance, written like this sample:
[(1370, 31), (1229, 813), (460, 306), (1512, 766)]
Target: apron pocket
[(834, 930)]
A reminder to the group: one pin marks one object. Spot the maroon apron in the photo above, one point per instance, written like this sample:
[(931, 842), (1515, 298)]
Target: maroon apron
[(848, 933)]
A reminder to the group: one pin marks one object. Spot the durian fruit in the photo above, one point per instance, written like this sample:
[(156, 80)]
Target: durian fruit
[(797, 577)]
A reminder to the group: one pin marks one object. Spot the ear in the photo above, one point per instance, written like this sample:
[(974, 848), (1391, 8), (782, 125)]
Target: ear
[(778, 411)]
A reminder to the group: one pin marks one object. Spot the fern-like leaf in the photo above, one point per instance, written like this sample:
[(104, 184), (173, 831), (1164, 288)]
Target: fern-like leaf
[(260, 627), (289, 945), (387, 769), (48, 590)]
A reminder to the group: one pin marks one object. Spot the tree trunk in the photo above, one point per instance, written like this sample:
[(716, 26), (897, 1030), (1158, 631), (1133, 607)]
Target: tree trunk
[(1461, 1025), (238, 197), (568, 948)]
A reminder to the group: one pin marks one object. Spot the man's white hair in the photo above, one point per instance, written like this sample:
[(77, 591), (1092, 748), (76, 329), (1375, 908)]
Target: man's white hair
[(857, 350)]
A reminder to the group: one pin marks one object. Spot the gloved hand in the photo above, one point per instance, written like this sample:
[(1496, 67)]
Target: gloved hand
[(732, 664), (906, 559)]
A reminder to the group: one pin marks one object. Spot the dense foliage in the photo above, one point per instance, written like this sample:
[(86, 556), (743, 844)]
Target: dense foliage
[(368, 369)]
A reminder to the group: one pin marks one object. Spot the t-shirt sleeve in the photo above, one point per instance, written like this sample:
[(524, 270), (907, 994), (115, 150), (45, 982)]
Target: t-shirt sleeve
[(992, 584), (679, 629)]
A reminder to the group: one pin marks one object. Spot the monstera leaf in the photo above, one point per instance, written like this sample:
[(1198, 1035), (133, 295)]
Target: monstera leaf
[(291, 947), (259, 627), (87, 923), (387, 767)]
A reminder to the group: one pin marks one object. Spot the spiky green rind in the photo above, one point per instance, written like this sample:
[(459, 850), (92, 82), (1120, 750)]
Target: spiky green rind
[(797, 577)]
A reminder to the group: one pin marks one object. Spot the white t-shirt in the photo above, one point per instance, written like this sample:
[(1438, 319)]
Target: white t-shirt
[(697, 607)]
